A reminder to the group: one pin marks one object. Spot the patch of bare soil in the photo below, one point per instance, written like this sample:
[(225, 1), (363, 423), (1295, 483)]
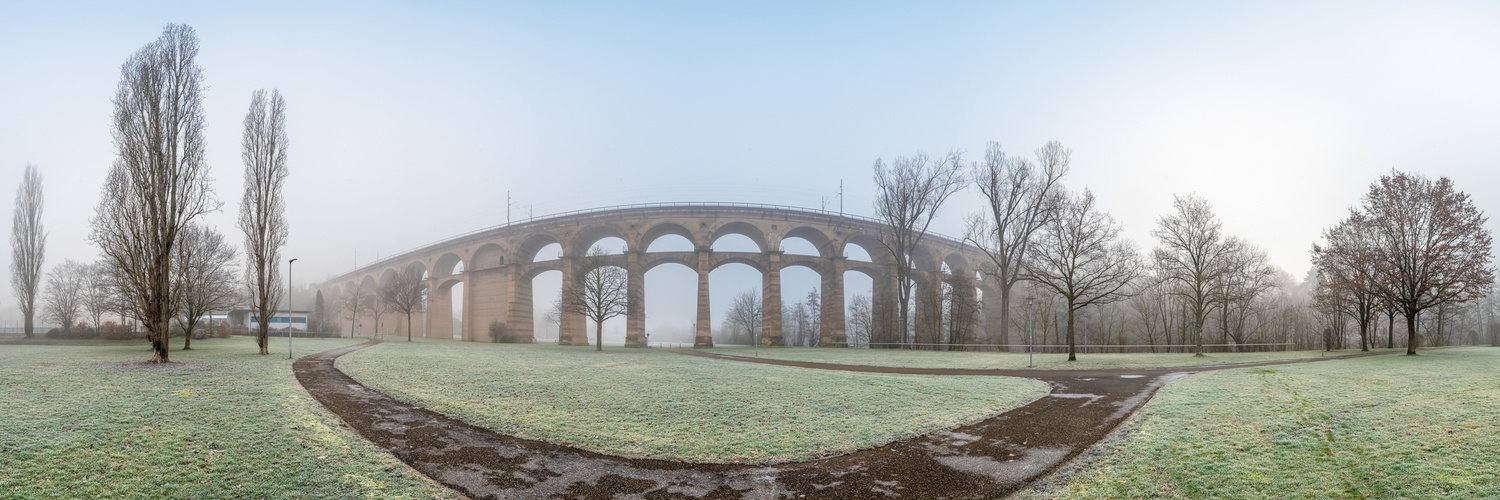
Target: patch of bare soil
[(989, 459)]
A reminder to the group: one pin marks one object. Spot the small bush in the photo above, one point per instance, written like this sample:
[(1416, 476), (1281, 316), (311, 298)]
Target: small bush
[(224, 331), (115, 331), (497, 332)]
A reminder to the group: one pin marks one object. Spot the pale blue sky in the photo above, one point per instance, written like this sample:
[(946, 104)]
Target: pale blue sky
[(409, 122)]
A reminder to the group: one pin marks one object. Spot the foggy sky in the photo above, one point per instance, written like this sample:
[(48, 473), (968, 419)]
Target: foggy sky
[(409, 123)]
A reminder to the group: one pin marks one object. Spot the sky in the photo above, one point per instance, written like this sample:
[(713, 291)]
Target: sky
[(413, 122)]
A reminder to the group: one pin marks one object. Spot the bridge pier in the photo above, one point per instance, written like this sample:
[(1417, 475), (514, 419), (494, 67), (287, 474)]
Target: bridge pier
[(635, 301), (831, 318), (770, 302), (703, 336), (573, 327)]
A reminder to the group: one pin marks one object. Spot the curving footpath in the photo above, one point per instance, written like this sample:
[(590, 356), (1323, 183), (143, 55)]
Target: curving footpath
[(989, 459)]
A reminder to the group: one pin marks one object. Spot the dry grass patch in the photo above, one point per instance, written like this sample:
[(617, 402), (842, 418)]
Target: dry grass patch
[(645, 403)]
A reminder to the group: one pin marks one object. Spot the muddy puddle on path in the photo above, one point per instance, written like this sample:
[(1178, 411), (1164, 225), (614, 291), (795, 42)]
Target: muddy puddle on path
[(989, 459)]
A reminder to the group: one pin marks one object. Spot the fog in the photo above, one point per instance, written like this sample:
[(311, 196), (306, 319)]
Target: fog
[(412, 124)]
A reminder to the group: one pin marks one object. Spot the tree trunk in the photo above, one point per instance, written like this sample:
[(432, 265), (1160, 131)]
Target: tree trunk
[(29, 324), (1390, 331), (1364, 335), (159, 347), (598, 335), (1004, 316), (187, 337), (1411, 334), (408, 327), (263, 334), (1072, 350)]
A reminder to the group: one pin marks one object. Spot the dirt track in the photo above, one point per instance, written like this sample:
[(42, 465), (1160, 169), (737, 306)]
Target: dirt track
[(989, 459)]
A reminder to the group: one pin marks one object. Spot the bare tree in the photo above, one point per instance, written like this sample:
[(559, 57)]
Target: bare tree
[(263, 209), (1195, 254), (1347, 274), (744, 314), (28, 245), (160, 180), (98, 293), (861, 320), (207, 277), (1079, 256), (908, 195), (1249, 276), (374, 304), (319, 315), (1020, 196), (63, 300), (351, 307), (1431, 246), (406, 294), (598, 292)]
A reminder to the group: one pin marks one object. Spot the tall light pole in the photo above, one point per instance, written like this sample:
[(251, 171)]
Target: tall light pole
[(289, 308), (1029, 355)]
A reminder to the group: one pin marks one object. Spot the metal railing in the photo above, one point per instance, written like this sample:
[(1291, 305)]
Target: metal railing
[(614, 208)]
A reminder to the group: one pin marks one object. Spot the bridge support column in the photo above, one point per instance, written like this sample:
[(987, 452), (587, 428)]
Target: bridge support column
[(831, 318), (439, 311), (635, 301), (573, 329), (929, 310), (519, 326), (884, 312), (963, 311), (770, 302), (704, 335), (467, 325)]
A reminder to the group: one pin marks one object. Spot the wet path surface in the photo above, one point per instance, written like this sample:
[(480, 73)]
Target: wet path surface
[(989, 459)]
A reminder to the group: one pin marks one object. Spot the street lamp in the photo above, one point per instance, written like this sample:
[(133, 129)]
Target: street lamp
[(289, 308), (1029, 355)]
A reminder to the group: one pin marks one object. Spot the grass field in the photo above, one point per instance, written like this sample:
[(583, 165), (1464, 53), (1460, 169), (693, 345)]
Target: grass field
[(1009, 360), (646, 403), (85, 421), (1396, 426)]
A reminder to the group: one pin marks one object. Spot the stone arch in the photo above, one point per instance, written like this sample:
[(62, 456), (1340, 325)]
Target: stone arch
[(819, 240), (586, 238), (386, 277), (537, 268), (745, 229), (958, 264), (737, 259), (419, 266), (488, 256), (817, 265), (663, 229), (527, 250), (445, 265), (654, 261), (869, 244)]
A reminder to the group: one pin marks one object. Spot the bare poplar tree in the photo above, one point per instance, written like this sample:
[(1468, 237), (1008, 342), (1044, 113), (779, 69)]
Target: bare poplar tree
[(1431, 246), (63, 299), (598, 293), (28, 245), (1194, 253), (1021, 199), (406, 294), (1079, 255), (207, 277), (160, 180), (909, 193), (263, 209)]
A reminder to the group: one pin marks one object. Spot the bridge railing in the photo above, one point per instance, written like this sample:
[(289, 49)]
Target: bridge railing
[(613, 208)]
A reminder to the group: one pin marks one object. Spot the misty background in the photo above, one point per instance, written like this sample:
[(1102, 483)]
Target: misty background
[(411, 123)]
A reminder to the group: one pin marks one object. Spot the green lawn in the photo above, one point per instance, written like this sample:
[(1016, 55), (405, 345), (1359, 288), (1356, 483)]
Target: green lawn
[(1009, 360), (646, 403), (84, 421), (1398, 426)]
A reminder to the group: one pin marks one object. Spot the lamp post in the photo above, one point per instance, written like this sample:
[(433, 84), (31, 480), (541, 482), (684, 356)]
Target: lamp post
[(289, 308), (1029, 355)]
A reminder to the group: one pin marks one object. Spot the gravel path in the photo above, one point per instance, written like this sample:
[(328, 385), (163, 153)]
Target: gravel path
[(989, 459)]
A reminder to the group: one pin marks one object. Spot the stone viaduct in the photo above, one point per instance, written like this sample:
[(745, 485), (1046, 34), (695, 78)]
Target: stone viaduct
[(496, 267)]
